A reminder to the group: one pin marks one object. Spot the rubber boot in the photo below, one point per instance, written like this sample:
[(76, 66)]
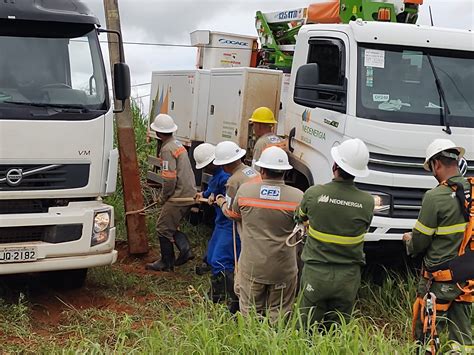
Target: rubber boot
[(218, 290), (167, 257), (185, 252), (232, 299)]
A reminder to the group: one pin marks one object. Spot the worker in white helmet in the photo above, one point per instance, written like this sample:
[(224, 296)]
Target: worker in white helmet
[(441, 236), (220, 251), (339, 215), (178, 182), (229, 155), (267, 265)]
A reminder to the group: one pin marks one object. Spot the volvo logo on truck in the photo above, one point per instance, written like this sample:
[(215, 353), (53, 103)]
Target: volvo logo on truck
[(14, 176)]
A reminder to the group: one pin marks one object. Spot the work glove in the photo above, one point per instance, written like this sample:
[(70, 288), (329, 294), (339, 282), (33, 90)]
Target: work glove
[(220, 200), (197, 197), (161, 200), (407, 240), (211, 199)]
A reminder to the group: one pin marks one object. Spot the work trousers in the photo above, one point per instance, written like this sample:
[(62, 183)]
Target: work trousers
[(457, 318), (327, 289), (220, 251), (169, 219), (267, 299)]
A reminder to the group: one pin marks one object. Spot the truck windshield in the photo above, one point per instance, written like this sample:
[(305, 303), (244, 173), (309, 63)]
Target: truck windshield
[(53, 72), (397, 84)]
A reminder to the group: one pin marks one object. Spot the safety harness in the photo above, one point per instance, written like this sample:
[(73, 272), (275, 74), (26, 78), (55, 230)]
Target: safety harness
[(459, 270)]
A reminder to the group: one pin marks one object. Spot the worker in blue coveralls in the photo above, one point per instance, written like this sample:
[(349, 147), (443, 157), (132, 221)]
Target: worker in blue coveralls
[(220, 251)]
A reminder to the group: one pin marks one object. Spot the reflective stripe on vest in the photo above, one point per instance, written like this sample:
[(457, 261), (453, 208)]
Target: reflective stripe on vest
[(169, 174), (231, 214), (179, 151), (444, 230), (456, 228), (335, 239), (301, 213), (272, 205), (420, 227)]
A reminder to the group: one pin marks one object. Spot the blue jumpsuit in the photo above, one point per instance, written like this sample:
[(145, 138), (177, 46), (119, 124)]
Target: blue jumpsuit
[(220, 251)]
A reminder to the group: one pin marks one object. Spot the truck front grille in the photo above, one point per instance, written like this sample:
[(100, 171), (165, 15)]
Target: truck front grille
[(47, 234), (25, 206), (406, 202), (404, 165), (27, 177)]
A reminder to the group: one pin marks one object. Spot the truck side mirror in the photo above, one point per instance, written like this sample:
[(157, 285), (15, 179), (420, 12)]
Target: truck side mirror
[(122, 87), (307, 80)]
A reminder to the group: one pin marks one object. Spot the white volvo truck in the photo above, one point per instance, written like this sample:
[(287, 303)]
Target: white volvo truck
[(395, 86), (56, 141)]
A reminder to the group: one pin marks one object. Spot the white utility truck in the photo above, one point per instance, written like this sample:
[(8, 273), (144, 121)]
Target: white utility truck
[(396, 86), (56, 141)]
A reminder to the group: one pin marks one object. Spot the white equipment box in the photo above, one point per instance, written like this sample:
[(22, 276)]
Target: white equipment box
[(214, 105), (183, 94), (222, 50), (234, 94)]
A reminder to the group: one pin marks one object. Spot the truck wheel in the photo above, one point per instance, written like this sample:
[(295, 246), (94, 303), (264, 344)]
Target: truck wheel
[(66, 279)]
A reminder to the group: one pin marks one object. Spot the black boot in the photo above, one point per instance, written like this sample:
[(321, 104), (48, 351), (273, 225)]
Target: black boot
[(185, 252), (218, 290), (202, 269), (167, 257), (232, 299)]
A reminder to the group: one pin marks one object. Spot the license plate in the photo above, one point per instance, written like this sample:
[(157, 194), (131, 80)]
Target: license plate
[(17, 255)]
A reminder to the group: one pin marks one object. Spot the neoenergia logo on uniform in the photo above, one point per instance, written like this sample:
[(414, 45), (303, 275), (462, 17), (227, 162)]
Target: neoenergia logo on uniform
[(335, 201)]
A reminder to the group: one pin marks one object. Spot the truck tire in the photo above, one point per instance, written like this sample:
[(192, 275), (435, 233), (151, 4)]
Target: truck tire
[(66, 279)]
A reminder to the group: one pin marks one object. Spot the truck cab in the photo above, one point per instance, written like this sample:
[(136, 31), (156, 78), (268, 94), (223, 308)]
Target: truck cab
[(56, 141), (378, 82)]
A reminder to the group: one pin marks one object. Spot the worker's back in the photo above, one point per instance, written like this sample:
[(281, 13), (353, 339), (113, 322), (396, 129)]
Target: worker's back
[(267, 210), (339, 216)]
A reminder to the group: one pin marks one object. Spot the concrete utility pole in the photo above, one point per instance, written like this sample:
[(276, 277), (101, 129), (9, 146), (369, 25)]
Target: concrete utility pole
[(133, 198)]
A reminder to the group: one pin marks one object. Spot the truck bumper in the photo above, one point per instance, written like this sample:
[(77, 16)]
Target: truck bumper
[(66, 263), (383, 228), (61, 238)]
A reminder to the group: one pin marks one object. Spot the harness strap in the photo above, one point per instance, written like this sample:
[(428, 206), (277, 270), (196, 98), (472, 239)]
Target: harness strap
[(468, 292), (465, 201), (438, 276), (419, 309)]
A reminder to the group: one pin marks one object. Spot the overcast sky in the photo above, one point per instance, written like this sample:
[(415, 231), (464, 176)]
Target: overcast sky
[(171, 21)]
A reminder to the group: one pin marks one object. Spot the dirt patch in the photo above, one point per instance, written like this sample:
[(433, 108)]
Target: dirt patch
[(48, 308), (123, 257)]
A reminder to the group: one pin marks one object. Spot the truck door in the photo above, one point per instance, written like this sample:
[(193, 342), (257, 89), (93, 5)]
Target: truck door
[(321, 98)]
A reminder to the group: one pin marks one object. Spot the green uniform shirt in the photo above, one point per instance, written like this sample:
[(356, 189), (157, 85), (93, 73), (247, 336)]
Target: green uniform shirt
[(439, 230), (339, 215)]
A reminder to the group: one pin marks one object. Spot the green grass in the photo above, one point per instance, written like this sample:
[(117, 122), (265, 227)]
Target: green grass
[(177, 319)]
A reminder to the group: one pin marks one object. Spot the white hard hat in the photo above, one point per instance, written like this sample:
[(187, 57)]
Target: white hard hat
[(274, 158), (204, 155), (441, 145), (164, 123), (227, 152), (352, 156)]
